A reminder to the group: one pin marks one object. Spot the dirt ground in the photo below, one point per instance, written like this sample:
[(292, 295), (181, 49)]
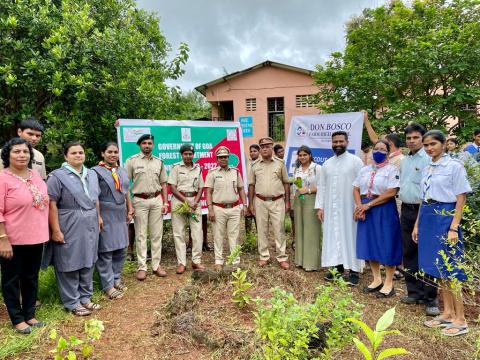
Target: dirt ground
[(139, 326)]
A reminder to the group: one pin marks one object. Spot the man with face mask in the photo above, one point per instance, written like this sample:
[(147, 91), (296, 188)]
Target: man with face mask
[(335, 205)]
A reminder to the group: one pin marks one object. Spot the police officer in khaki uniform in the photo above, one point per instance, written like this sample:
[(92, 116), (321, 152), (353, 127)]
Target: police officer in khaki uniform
[(186, 184), (269, 184), (223, 186), (149, 188)]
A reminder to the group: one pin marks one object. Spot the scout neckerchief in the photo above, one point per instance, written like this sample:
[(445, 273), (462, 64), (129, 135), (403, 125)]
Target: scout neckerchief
[(113, 171), (40, 200), (428, 180), (375, 168), (82, 176)]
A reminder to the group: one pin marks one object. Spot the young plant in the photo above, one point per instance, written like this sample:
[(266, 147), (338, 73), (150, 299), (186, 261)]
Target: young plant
[(289, 330), (68, 349), (237, 250), (240, 295), (185, 210), (375, 338)]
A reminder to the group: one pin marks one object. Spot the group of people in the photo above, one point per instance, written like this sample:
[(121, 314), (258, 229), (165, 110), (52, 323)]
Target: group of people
[(358, 205), (345, 212)]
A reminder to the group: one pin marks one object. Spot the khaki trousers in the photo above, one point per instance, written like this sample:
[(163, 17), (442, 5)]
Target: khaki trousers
[(227, 224), (270, 215), (148, 219), (179, 222)]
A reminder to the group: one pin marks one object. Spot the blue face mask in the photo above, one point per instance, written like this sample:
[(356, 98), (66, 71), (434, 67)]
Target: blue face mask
[(379, 156)]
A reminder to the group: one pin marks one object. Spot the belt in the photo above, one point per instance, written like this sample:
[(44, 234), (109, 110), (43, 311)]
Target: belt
[(148, 195), (189, 194), (369, 197), (227, 206), (414, 206), (430, 202), (268, 198)]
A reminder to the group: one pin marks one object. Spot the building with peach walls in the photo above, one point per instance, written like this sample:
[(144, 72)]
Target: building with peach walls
[(263, 98)]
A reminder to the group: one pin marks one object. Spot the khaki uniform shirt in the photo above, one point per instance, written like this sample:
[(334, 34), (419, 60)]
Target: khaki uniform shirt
[(225, 184), (186, 179), (268, 176), (147, 173), (38, 163)]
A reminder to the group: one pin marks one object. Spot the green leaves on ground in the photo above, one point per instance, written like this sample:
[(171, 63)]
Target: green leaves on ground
[(375, 337)]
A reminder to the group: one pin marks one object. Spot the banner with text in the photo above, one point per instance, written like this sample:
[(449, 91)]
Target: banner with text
[(169, 135), (315, 131)]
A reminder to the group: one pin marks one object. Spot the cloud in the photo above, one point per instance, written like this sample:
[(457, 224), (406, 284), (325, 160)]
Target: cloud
[(230, 35)]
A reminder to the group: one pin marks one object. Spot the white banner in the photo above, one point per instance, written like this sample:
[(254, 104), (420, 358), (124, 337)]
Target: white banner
[(316, 131)]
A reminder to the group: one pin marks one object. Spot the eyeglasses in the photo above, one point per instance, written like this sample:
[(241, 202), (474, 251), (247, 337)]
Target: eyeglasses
[(222, 157)]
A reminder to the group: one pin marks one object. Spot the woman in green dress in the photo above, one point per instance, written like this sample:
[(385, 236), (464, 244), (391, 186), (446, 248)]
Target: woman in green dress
[(308, 229)]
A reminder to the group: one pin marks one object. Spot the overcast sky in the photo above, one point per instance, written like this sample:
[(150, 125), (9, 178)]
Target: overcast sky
[(225, 36)]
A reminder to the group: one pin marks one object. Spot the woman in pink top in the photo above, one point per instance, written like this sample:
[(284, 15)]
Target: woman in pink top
[(23, 230)]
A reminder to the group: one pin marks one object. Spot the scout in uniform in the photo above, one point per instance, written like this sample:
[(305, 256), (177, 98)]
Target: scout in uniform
[(186, 183), (437, 231), (269, 184), (223, 186), (75, 223), (149, 188)]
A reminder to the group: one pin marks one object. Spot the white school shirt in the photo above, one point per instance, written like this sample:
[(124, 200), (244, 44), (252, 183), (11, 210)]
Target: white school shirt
[(310, 177), (387, 177), (449, 179)]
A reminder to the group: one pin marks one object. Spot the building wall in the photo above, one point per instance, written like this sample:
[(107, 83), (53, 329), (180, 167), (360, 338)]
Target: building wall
[(261, 84)]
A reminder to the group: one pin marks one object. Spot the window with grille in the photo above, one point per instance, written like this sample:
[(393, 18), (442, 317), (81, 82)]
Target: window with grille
[(251, 104), (276, 118), (304, 101)]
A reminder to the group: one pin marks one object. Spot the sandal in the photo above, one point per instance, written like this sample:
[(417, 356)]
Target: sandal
[(92, 306), (461, 329), (114, 294), (80, 311), (120, 286), (437, 321)]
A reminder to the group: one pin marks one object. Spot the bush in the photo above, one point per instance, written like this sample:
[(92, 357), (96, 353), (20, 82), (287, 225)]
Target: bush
[(290, 330)]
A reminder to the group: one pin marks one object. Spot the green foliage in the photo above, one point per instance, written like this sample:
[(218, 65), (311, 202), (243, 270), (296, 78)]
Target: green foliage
[(80, 64), (68, 349), (240, 295), (188, 106), (403, 63), (375, 338), (286, 328), (234, 254), (250, 243), (185, 210)]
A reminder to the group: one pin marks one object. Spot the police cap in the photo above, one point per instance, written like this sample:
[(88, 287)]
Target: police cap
[(144, 137)]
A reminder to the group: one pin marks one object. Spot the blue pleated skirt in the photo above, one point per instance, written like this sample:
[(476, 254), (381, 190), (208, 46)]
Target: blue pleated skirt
[(379, 237), (436, 257)]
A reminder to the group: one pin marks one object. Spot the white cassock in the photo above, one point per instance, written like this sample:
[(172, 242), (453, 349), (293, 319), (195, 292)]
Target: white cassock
[(335, 197)]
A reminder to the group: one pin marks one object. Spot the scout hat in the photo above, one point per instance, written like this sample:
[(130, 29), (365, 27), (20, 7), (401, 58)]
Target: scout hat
[(144, 137), (186, 147), (265, 140), (222, 151)]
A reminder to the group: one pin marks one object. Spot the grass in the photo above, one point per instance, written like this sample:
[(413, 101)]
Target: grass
[(52, 312)]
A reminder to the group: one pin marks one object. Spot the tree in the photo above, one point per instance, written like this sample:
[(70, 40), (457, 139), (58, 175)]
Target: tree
[(80, 64), (408, 63), (190, 105)]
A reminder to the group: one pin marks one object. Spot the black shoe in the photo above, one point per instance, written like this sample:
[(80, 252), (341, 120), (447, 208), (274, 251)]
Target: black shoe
[(24, 331), (409, 300), (381, 295), (331, 277), (369, 290), (353, 279)]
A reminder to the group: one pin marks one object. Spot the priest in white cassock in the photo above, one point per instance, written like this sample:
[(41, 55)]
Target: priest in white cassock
[(335, 205)]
